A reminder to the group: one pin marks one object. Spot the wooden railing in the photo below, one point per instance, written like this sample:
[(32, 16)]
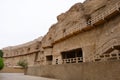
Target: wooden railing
[(109, 45), (105, 14), (107, 57), (73, 60), (95, 19), (69, 60)]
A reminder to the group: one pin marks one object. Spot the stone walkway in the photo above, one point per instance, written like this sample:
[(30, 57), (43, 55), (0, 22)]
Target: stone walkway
[(20, 76)]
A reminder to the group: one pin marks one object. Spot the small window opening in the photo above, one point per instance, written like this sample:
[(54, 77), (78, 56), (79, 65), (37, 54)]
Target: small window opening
[(49, 58), (28, 49), (56, 61), (36, 57), (37, 47), (64, 30), (50, 38)]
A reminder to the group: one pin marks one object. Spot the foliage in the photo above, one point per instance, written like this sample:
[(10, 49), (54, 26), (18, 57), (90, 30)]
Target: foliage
[(23, 63), (1, 53), (1, 63)]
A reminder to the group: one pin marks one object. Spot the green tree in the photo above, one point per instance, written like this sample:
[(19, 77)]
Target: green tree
[(1, 63), (1, 53)]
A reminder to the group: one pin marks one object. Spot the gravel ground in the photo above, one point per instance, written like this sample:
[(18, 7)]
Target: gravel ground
[(20, 76)]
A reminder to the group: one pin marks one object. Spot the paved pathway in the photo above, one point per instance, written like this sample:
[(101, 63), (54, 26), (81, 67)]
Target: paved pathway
[(20, 76)]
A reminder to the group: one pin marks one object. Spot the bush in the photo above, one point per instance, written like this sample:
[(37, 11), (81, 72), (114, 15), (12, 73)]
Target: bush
[(1, 63), (23, 63), (1, 53)]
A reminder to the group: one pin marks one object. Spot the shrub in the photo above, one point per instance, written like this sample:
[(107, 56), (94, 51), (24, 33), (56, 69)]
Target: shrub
[(1, 63), (1, 53), (23, 63)]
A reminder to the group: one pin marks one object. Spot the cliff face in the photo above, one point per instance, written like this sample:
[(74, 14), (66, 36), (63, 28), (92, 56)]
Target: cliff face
[(85, 25), (92, 6), (95, 7), (77, 15), (82, 10)]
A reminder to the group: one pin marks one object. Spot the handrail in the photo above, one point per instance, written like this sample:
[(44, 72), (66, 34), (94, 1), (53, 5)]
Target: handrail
[(98, 53), (113, 40), (73, 60), (105, 13), (110, 56), (79, 27)]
